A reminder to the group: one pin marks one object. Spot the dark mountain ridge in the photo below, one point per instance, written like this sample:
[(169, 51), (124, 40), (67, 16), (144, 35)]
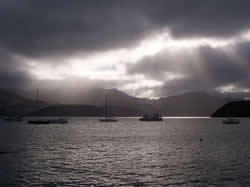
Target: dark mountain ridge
[(91, 103), (85, 111), (234, 109), (12, 104)]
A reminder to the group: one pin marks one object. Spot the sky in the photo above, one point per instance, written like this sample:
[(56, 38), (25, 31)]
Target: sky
[(146, 48)]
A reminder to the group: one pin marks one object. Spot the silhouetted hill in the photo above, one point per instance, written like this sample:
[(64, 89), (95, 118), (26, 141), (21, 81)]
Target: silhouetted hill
[(12, 104), (119, 104), (91, 96), (115, 97), (84, 111), (190, 104), (68, 110), (234, 109)]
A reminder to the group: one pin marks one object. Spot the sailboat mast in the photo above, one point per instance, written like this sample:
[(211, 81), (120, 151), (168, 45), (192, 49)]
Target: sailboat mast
[(106, 105), (37, 95)]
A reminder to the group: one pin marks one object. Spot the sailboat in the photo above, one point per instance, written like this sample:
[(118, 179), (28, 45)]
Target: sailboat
[(38, 121), (230, 120), (107, 118), (46, 121), (154, 117)]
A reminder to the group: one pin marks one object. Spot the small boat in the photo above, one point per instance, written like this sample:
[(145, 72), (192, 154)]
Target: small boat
[(58, 120), (39, 121), (154, 117), (231, 121)]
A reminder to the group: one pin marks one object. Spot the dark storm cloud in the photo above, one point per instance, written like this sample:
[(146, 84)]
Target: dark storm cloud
[(13, 73), (220, 67), (215, 65), (196, 18), (60, 26), (204, 68)]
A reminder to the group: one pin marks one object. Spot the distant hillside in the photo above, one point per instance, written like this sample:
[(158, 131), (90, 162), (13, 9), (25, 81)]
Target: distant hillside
[(68, 110), (234, 109), (189, 104), (120, 104), (84, 111), (91, 96), (115, 97), (12, 104)]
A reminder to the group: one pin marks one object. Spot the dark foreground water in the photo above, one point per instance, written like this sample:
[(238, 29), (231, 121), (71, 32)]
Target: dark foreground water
[(86, 152)]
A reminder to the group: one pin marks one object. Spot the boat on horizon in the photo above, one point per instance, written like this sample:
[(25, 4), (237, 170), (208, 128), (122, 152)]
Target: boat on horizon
[(154, 117), (231, 121), (107, 118), (39, 121), (57, 120), (49, 121)]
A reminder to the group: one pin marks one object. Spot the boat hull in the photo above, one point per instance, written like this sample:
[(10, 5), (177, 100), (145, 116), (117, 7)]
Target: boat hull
[(231, 121), (108, 120), (39, 122), (142, 119)]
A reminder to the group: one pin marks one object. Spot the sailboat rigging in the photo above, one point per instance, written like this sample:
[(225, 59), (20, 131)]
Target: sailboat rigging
[(46, 121), (107, 118)]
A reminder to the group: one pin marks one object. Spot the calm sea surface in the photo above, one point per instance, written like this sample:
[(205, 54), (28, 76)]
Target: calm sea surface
[(86, 152)]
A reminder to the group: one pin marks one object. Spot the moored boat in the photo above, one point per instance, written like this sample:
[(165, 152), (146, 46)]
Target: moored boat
[(154, 117), (107, 118), (39, 121), (231, 121)]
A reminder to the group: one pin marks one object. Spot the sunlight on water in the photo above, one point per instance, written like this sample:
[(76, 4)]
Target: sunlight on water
[(86, 152)]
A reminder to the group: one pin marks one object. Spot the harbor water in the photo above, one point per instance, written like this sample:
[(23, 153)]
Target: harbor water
[(85, 152)]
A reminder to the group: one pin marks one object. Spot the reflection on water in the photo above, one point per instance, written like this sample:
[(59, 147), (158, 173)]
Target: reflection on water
[(128, 153)]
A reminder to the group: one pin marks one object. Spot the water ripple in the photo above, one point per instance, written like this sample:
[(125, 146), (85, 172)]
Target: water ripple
[(89, 153)]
